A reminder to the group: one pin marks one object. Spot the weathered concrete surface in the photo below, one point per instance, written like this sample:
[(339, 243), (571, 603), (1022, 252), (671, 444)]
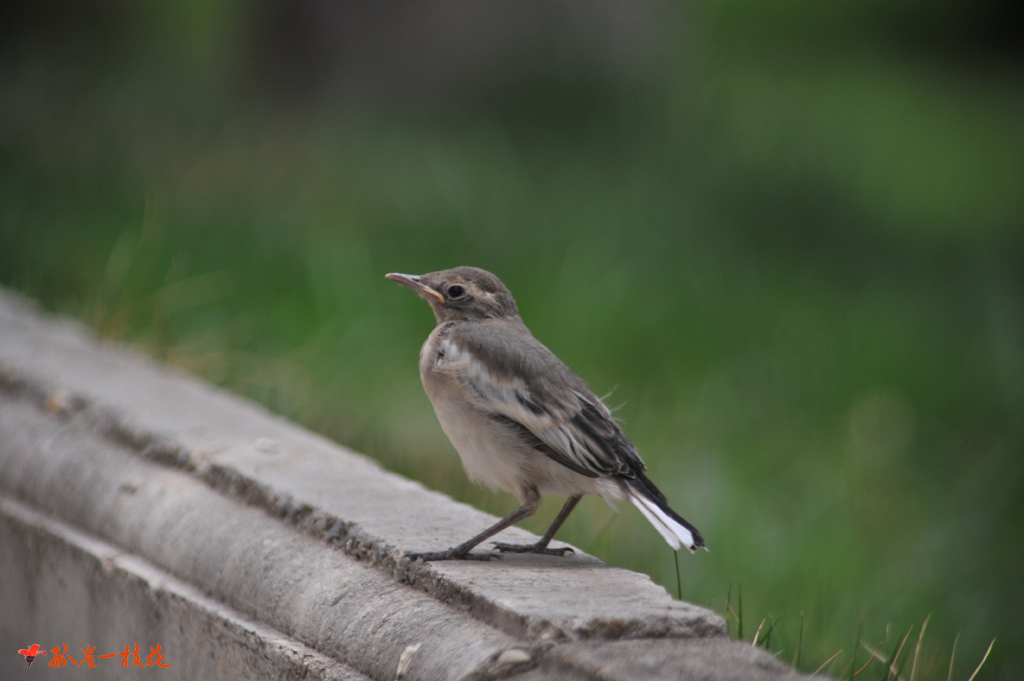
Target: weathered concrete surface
[(237, 554), (196, 483), (62, 586), (720, 659)]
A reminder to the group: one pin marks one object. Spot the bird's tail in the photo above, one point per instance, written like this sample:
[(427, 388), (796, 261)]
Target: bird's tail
[(642, 493)]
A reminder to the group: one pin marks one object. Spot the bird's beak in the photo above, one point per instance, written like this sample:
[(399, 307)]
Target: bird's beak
[(416, 284)]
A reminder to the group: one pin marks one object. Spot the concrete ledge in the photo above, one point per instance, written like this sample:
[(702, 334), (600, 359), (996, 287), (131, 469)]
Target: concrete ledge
[(211, 514), (83, 591)]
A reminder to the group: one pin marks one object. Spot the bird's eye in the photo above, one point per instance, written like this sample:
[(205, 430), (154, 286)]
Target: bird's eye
[(456, 292)]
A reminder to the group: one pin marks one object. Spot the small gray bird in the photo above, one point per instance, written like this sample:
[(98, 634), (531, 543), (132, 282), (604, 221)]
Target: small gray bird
[(519, 418)]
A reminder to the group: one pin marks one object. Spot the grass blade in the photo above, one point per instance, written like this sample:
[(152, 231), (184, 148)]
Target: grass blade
[(917, 648), (799, 642), (874, 656), (771, 628), (978, 668), (739, 588), (826, 662), (679, 582), (952, 657), (753, 644), (860, 636), (728, 606), (892, 665)]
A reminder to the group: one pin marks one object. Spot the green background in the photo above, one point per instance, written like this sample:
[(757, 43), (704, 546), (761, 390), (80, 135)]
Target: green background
[(786, 239)]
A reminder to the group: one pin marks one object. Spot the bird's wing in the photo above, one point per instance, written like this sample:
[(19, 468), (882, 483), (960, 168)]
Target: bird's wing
[(511, 376)]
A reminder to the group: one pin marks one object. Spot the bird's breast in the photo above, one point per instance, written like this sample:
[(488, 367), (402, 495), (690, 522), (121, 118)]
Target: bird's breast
[(492, 453)]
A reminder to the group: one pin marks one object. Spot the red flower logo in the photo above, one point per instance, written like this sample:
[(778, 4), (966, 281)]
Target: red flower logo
[(31, 653)]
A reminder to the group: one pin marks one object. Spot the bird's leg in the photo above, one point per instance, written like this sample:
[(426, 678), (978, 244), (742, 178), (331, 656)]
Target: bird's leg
[(529, 507), (542, 545)]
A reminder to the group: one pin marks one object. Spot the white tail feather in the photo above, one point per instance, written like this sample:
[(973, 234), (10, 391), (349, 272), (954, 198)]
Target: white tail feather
[(667, 526)]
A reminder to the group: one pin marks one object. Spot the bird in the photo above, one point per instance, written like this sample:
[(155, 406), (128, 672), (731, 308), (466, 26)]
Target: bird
[(520, 419)]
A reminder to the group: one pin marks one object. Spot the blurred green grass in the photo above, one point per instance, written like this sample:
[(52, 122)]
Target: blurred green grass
[(800, 278)]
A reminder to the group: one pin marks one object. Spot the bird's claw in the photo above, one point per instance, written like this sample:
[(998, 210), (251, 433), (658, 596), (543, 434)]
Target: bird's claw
[(450, 554), (532, 548)]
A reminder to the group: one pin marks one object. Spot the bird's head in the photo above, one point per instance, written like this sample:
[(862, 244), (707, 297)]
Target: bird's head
[(461, 294)]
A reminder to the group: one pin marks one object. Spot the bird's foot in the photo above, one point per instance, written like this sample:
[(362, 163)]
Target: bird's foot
[(454, 553), (532, 548)]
